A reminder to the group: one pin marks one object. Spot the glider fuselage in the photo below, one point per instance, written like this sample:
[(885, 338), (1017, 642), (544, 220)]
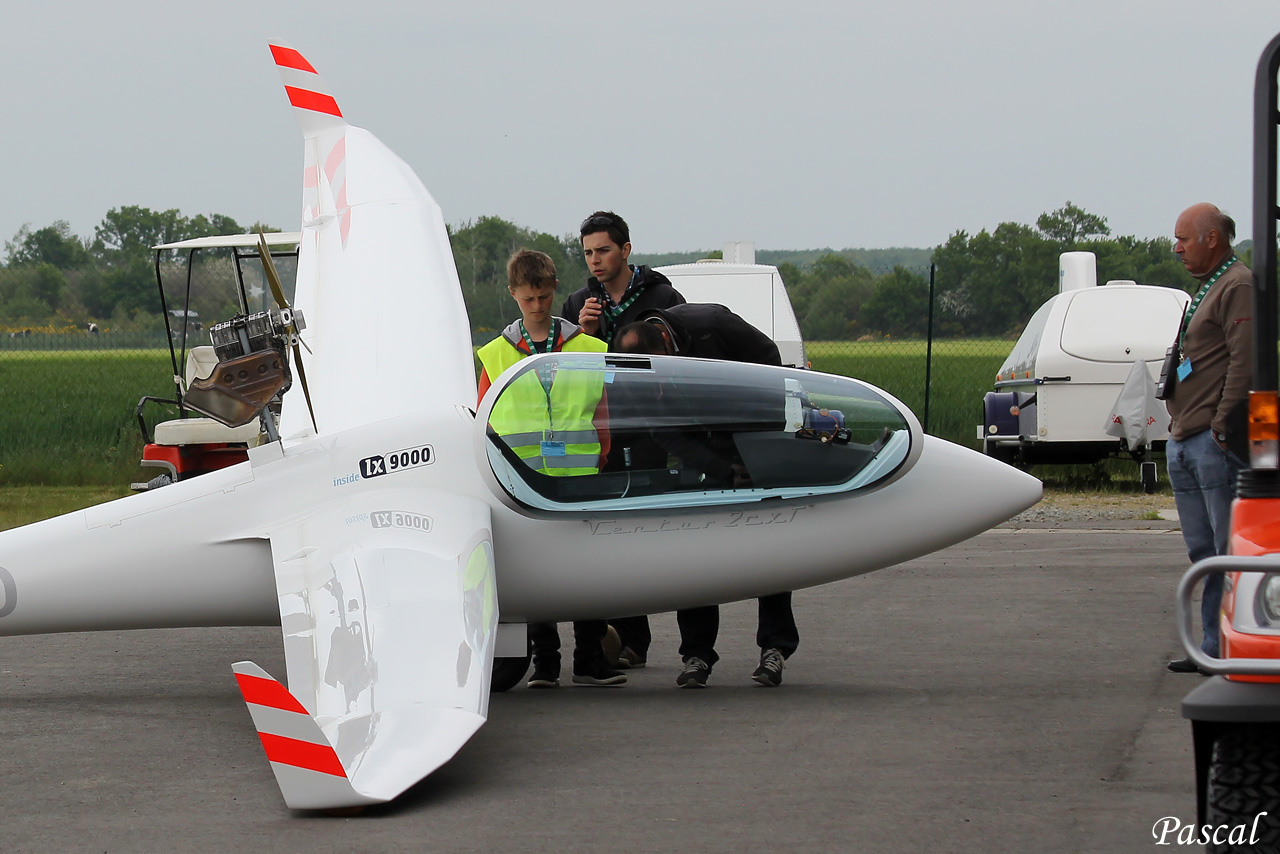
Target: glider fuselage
[(197, 553)]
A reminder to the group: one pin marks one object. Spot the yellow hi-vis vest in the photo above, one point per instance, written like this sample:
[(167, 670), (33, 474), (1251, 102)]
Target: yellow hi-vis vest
[(533, 422)]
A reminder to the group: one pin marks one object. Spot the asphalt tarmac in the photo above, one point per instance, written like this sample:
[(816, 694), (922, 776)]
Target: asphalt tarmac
[(1008, 694)]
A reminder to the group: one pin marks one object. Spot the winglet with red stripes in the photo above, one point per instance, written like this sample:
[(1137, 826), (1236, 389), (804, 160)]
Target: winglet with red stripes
[(324, 174), (307, 768), (315, 106)]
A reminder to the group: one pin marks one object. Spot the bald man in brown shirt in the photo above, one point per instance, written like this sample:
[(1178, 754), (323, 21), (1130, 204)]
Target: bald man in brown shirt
[(1215, 370)]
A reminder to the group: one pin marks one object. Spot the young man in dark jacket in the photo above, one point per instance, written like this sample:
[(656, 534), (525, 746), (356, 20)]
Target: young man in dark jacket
[(715, 332), (614, 296), (617, 291)]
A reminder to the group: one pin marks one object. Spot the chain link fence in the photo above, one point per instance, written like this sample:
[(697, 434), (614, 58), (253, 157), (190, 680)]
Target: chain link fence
[(901, 338)]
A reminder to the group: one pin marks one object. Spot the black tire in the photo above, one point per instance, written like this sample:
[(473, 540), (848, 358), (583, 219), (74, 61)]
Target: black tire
[(508, 672), (1244, 780), (1149, 476)]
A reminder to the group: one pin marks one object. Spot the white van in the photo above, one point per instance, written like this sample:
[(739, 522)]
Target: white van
[(753, 291), (1057, 387)]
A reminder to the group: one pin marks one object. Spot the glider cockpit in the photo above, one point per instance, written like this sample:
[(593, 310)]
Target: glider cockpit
[(684, 433)]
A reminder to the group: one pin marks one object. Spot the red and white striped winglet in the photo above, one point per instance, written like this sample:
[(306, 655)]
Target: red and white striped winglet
[(305, 765), (317, 110)]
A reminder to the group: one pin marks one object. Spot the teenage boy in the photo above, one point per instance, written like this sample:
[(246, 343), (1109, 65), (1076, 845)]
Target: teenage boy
[(570, 401), (615, 295)]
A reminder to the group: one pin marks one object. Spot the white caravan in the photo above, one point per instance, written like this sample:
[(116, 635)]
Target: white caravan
[(753, 291), (1058, 385)]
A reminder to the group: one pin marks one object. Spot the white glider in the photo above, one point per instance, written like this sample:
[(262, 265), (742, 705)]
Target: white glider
[(381, 539)]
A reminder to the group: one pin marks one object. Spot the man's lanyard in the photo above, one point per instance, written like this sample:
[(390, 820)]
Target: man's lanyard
[(1195, 303), (614, 310)]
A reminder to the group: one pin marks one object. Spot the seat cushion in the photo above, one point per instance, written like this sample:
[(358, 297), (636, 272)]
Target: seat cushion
[(203, 431)]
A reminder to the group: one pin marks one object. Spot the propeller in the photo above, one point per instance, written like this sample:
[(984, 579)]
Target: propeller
[(290, 318)]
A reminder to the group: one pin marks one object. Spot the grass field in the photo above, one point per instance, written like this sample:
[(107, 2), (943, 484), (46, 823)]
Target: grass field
[(963, 371), (67, 417), (22, 505)]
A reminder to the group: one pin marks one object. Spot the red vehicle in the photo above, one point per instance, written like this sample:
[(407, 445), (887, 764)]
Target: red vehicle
[(221, 275), (1235, 715)]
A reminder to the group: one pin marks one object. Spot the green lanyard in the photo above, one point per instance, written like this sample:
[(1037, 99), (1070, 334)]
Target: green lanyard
[(546, 375), (614, 311), (1195, 303)]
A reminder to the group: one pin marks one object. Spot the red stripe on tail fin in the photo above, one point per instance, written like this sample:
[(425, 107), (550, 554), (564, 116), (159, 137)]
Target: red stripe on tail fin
[(315, 101), (290, 58), (302, 754), (268, 692)]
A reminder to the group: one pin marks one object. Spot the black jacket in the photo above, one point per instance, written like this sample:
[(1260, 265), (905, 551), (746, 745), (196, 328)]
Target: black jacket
[(656, 292), (709, 331)]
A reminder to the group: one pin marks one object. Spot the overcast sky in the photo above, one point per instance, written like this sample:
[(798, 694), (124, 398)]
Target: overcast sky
[(795, 125)]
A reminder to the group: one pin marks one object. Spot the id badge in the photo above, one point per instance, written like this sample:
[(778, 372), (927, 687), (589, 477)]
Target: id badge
[(1184, 369), (553, 449)]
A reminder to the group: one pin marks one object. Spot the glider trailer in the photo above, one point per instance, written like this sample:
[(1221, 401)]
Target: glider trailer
[(1060, 394)]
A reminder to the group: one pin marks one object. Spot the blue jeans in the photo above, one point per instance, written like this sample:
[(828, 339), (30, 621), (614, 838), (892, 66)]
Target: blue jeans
[(1203, 477)]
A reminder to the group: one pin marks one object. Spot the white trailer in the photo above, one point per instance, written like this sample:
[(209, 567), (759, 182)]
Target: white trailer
[(1060, 382), (753, 291)]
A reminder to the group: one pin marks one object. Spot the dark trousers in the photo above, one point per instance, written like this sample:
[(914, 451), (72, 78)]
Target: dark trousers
[(633, 633), (545, 639), (775, 629)]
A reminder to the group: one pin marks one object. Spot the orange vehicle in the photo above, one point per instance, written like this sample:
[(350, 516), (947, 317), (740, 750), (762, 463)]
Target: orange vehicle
[(1235, 715)]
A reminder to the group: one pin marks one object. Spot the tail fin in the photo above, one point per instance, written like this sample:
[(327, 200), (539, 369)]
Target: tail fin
[(307, 768)]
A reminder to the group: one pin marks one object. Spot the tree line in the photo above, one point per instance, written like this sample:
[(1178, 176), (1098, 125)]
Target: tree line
[(54, 278), (986, 284)]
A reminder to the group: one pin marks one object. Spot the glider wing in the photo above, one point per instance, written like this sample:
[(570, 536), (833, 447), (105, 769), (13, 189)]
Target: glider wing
[(389, 613)]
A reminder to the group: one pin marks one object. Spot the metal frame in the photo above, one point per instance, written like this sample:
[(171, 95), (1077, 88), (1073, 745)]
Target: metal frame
[(1265, 118), (1187, 586), (1262, 483)]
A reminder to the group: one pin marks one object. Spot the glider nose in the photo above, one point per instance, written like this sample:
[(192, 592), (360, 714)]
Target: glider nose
[(1014, 489), (968, 490)]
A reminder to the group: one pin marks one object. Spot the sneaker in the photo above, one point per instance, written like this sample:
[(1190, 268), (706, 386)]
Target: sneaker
[(769, 673), (598, 672), (694, 675), (629, 659), (544, 677)]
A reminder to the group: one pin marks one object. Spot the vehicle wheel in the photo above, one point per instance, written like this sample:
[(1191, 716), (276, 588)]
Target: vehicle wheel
[(507, 672), (1149, 475), (1244, 781)]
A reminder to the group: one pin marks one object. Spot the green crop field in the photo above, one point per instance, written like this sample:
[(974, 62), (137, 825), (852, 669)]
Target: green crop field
[(963, 371), (67, 416)]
